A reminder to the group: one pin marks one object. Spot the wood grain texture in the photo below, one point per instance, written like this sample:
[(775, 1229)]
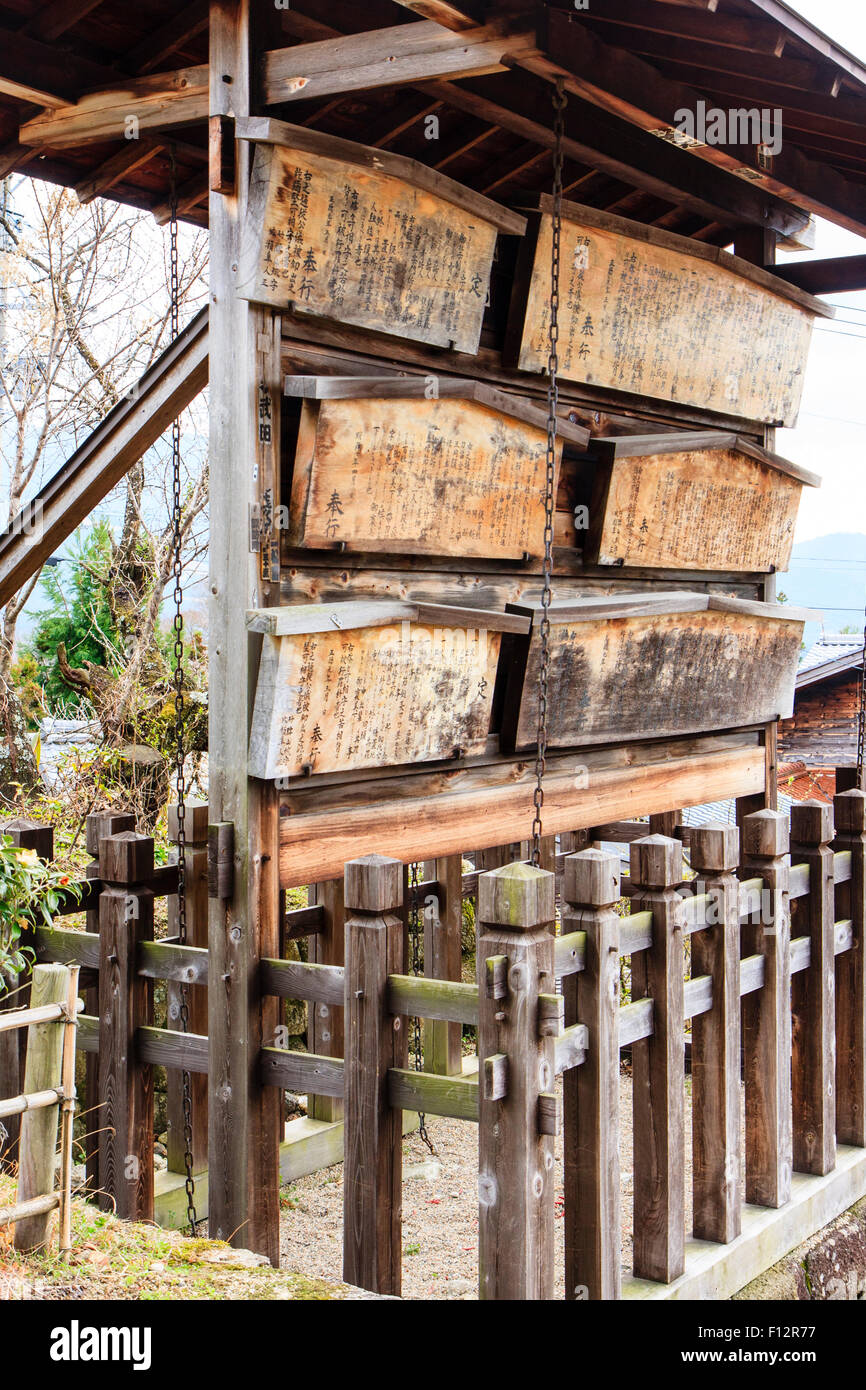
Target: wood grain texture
[(39, 1128), (369, 697), (197, 907), (636, 312), (593, 1254), (699, 509), (339, 241), (849, 811), (813, 1066), (622, 677), (314, 842), (717, 1160), (438, 476), (325, 1022), (372, 1167), (658, 1089), (515, 1161), (443, 960)]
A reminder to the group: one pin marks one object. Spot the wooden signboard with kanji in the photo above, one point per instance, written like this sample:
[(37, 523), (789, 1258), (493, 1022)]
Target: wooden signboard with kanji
[(357, 685), (662, 316), (420, 466), (365, 237), (648, 665), (708, 501)]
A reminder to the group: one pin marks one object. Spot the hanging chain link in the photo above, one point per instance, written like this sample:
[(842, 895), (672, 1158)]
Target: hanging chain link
[(559, 105), (861, 718), (417, 969), (179, 702)]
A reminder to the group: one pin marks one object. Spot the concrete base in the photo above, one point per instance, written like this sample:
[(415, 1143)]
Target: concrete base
[(720, 1271)]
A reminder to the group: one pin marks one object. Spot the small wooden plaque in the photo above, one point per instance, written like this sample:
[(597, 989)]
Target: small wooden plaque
[(424, 466), (693, 501), (651, 665), (662, 316), (364, 237), (357, 685)]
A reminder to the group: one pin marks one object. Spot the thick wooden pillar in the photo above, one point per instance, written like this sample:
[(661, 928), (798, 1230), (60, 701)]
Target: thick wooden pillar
[(849, 813), (325, 1027), (195, 875), (813, 1068), (244, 1117)]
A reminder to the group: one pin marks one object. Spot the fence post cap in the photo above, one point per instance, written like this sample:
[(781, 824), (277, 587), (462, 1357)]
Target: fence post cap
[(126, 857), (766, 834), (29, 834), (715, 848), (591, 878), (517, 895), (656, 861), (373, 883), (103, 823), (195, 822), (849, 811), (811, 822)]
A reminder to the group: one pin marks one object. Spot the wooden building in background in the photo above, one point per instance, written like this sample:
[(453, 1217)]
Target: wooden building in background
[(821, 735)]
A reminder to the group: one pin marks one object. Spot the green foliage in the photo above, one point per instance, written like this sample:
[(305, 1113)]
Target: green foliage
[(30, 893), (27, 682), (79, 615)]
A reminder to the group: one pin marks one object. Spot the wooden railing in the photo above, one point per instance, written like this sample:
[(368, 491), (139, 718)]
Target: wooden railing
[(767, 941)]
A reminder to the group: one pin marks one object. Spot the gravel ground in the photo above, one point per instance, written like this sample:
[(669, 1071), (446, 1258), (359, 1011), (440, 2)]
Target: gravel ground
[(440, 1210)]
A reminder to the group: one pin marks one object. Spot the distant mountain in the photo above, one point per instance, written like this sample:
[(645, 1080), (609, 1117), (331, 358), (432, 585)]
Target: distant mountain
[(829, 573)]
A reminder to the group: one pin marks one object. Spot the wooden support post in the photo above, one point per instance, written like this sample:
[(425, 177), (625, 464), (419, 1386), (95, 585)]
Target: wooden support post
[(245, 1117), (24, 834), (716, 1148), (39, 1127), (813, 1079), (443, 922), (665, 823), (98, 826), (196, 897), (372, 1165), (849, 811), (658, 1065), (766, 1013), (591, 1091), (516, 909), (125, 1005), (325, 1022)]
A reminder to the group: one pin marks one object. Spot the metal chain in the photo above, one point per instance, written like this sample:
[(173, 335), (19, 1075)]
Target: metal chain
[(861, 719), (559, 105), (417, 969), (179, 702)]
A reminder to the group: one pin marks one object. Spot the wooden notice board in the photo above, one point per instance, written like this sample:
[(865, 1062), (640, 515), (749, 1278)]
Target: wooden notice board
[(708, 501), (650, 665), (426, 465), (365, 237), (356, 685), (662, 316)]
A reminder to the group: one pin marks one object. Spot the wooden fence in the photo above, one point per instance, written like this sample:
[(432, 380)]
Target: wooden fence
[(761, 954)]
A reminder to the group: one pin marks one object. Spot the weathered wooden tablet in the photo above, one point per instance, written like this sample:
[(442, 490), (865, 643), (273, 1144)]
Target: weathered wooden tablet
[(420, 466), (649, 665), (708, 501), (366, 237), (355, 685), (662, 316)]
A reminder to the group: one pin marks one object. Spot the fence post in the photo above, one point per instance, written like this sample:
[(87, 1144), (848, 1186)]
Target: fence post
[(716, 1149), (373, 1142), (767, 1012), (98, 826), (658, 1065), (24, 834), (443, 923), (326, 1022), (516, 909), (591, 1091), (125, 1004), (197, 907), (39, 1127), (813, 1078), (849, 809)]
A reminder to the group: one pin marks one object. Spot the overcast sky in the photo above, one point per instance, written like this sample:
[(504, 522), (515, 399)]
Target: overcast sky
[(831, 430)]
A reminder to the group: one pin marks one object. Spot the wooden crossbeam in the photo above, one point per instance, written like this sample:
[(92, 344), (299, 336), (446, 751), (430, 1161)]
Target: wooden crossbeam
[(657, 17), (454, 17), (132, 156), (153, 50), (835, 275), (156, 102), (54, 17), (388, 57), (107, 454)]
